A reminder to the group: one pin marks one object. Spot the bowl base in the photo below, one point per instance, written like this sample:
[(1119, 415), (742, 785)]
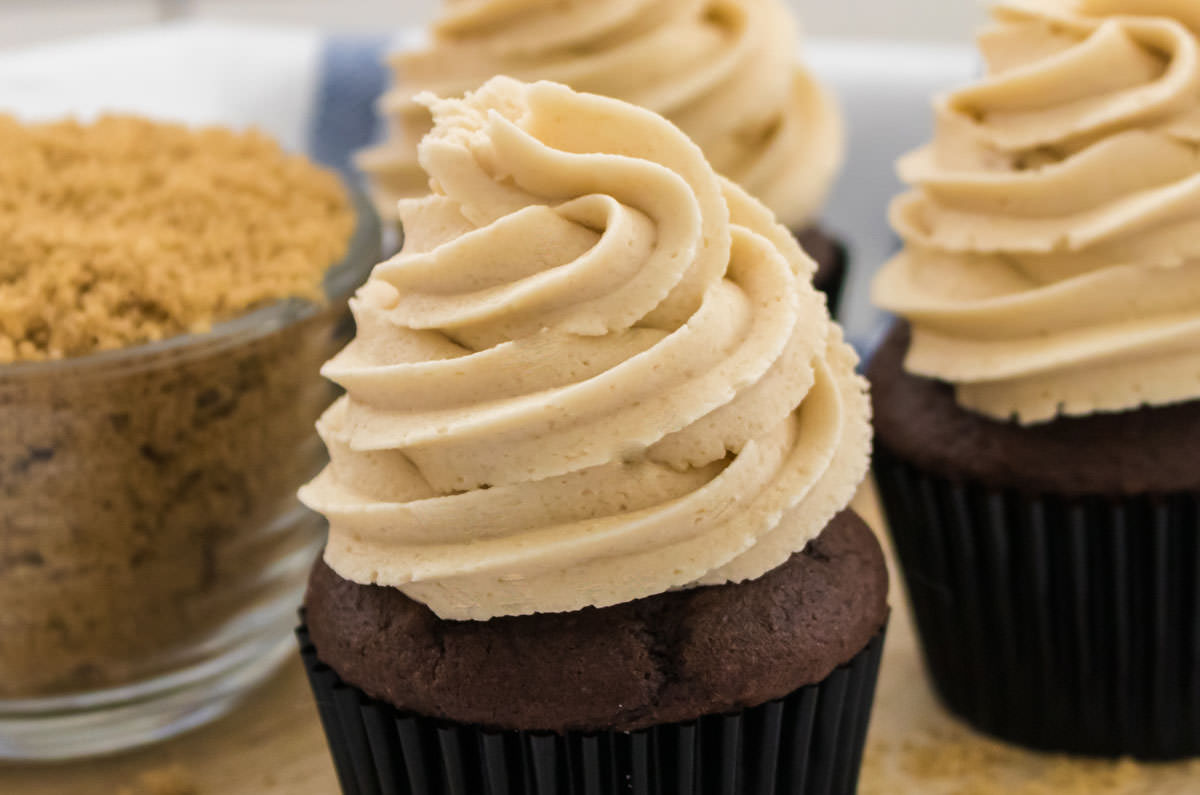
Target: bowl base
[(119, 719)]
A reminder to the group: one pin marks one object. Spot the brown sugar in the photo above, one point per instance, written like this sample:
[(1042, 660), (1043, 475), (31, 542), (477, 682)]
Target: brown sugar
[(172, 780), (147, 496), (955, 761), (126, 231)]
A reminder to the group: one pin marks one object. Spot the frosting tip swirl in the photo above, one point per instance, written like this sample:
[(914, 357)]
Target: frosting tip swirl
[(596, 371), (1052, 259), (733, 84)]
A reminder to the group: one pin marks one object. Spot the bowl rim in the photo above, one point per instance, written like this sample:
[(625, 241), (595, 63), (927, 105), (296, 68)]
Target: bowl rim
[(363, 252)]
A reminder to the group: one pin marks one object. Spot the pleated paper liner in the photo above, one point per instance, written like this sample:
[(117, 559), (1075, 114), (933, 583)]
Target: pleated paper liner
[(808, 743), (1062, 624)]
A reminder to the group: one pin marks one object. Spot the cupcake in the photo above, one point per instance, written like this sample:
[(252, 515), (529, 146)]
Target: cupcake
[(1038, 406), (732, 83), (588, 485)]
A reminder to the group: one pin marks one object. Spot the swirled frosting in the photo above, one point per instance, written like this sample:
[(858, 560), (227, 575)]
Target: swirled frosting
[(725, 71), (1052, 259), (596, 372)]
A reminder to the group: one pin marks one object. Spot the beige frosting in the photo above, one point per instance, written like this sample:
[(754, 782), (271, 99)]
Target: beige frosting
[(1052, 259), (596, 372), (723, 70)]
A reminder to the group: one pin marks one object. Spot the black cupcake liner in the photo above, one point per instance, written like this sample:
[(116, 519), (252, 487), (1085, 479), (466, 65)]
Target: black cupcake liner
[(807, 743), (1060, 623)]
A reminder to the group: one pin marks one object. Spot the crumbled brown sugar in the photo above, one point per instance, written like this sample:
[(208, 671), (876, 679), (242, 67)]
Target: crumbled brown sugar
[(125, 231), (173, 780), (955, 761)]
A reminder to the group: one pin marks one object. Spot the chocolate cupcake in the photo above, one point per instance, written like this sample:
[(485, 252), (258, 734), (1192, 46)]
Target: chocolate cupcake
[(1038, 412), (588, 485), (732, 84)]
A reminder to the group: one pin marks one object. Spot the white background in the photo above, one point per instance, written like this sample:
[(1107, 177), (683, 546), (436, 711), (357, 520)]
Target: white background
[(32, 21)]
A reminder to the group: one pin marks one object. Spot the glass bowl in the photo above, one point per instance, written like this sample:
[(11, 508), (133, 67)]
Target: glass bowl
[(152, 549)]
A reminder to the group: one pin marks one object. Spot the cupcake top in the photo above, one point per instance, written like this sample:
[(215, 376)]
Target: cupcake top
[(725, 71), (124, 231), (597, 371), (1052, 258)]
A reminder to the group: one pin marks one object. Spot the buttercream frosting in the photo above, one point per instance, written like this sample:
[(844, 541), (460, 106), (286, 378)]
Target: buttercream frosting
[(725, 71), (595, 372), (1052, 257)]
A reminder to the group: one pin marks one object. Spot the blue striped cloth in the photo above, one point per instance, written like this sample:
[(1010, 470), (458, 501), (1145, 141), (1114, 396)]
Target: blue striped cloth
[(351, 78)]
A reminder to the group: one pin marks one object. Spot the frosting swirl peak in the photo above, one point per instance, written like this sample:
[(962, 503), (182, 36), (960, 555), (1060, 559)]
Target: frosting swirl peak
[(1052, 260), (725, 71), (596, 371)]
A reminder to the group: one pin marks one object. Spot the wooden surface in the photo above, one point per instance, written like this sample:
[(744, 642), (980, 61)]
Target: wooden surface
[(273, 746)]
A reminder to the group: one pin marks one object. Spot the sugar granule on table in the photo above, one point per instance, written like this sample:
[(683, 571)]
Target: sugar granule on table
[(172, 780), (958, 762)]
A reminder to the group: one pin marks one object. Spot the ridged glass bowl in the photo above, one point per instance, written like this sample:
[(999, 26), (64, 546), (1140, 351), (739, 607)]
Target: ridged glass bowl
[(152, 550)]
